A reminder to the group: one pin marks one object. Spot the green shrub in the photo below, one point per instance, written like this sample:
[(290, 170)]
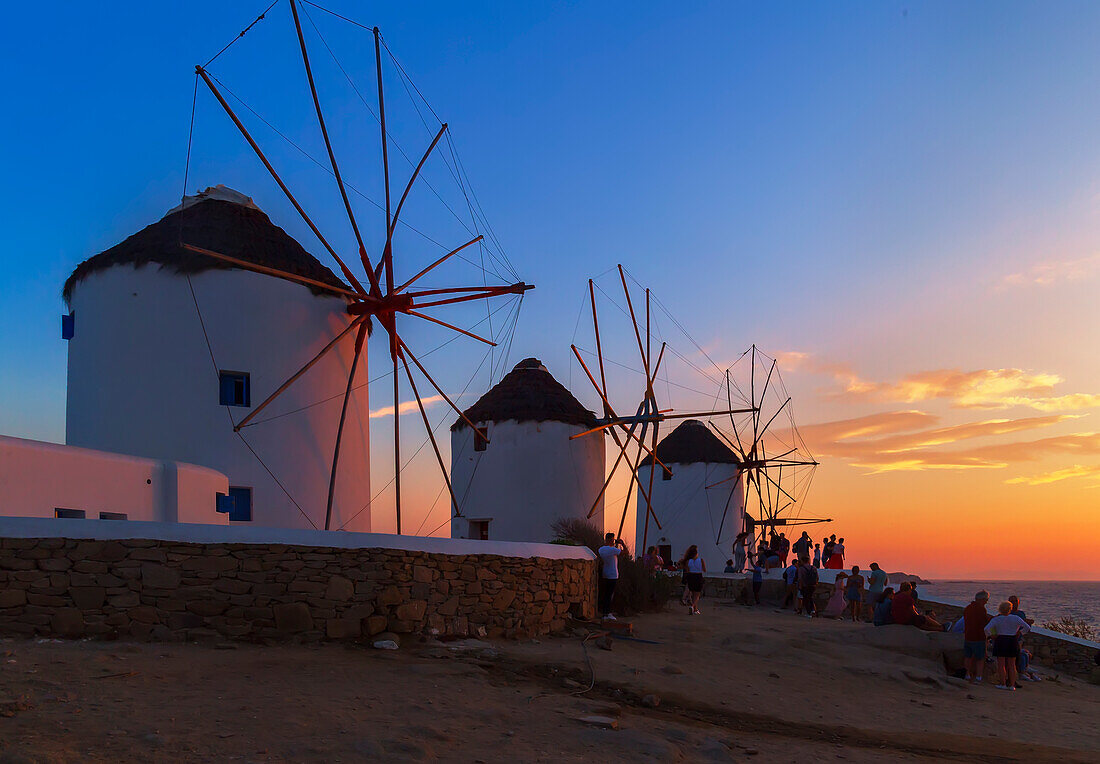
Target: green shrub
[(637, 591)]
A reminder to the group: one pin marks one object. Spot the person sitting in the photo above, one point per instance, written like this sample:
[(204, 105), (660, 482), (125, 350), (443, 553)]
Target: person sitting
[(904, 611), (729, 567), (882, 615), (773, 560)]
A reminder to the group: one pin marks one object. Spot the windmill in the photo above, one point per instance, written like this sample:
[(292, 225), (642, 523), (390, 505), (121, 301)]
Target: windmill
[(374, 292), (630, 431), (776, 464)]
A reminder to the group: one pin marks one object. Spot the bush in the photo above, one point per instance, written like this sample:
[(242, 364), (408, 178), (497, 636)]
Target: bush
[(1074, 627), (637, 590)]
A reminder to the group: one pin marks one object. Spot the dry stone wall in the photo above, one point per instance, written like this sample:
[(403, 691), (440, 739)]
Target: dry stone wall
[(168, 590)]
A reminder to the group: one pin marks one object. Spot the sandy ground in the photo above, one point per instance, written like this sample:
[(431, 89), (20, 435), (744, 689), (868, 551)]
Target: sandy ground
[(735, 684)]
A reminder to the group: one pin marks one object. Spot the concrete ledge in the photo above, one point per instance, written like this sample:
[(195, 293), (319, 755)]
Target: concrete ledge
[(114, 530)]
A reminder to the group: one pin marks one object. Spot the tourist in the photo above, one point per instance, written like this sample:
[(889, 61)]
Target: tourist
[(1006, 630), (740, 547), (876, 583), (883, 606), (773, 560), (807, 577), (827, 551), (652, 560), (762, 553), (853, 593), (817, 556), (836, 605), (789, 578), (784, 547), (1015, 601), (1021, 661), (836, 558), (729, 567), (694, 568), (974, 620), (757, 580), (904, 611), (609, 572), (802, 547)]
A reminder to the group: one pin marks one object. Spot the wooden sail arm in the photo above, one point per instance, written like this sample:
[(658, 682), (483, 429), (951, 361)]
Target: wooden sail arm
[(405, 349), (332, 343), (331, 154), (416, 172), (438, 262), (257, 268), (279, 181), (481, 294), (431, 435), (449, 326)]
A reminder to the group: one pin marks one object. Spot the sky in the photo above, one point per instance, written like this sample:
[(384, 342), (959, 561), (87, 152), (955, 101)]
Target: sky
[(898, 201)]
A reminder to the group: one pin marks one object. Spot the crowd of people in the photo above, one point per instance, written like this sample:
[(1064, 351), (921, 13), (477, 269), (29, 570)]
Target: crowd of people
[(855, 595)]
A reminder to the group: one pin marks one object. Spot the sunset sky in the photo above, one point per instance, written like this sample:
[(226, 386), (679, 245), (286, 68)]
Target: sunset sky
[(900, 201)]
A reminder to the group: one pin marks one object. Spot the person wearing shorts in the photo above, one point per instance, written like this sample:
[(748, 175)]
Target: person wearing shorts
[(694, 568), (1006, 630), (975, 619)]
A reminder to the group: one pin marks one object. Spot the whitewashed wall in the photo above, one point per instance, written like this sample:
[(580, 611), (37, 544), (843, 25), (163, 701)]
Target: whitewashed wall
[(690, 513), (141, 382), (36, 478), (529, 475)]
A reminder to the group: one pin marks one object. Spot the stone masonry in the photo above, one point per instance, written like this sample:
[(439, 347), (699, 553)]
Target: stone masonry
[(167, 590)]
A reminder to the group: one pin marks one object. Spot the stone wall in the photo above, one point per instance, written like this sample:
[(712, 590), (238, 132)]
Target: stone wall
[(1050, 649), (170, 590)]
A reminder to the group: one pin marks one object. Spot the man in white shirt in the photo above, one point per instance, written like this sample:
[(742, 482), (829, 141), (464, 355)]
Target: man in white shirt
[(609, 573)]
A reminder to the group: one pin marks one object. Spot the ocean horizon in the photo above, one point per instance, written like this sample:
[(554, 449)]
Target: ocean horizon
[(1041, 600)]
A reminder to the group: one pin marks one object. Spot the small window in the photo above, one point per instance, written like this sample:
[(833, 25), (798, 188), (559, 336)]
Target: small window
[(113, 516), (242, 504), (68, 326), (234, 389), (481, 440), (75, 514), (479, 529)]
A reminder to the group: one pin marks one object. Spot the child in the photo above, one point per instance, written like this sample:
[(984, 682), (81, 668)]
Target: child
[(817, 555), (729, 567)]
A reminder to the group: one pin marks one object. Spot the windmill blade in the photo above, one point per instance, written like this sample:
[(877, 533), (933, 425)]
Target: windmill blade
[(602, 388), (725, 512), (737, 448), (437, 263), (359, 338), (733, 422), (416, 172), (405, 349), (431, 437), (387, 255), (331, 154), (279, 181), (257, 268), (309, 364), (769, 424), (634, 320), (449, 326)]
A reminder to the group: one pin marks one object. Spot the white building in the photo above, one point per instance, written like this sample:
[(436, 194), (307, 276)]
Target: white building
[(50, 480), (530, 473), (168, 349), (689, 511)]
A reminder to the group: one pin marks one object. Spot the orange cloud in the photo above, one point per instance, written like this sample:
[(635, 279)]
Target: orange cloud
[(1076, 470), (976, 389), (990, 457), (1047, 273), (405, 407)]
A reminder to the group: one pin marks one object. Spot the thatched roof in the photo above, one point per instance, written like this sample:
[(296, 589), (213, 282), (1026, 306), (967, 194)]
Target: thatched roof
[(693, 443), (211, 221), (528, 393)]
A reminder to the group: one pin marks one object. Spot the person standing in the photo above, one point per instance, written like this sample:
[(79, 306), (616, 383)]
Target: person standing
[(827, 551), (609, 573), (975, 619), (757, 580), (836, 559), (834, 608), (1006, 630), (791, 582), (801, 548), (694, 568), (807, 577), (853, 593), (876, 584), (817, 556), (784, 548), (739, 548)]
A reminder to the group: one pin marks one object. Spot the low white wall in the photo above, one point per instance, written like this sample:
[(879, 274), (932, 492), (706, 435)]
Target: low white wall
[(32, 527), (36, 478)]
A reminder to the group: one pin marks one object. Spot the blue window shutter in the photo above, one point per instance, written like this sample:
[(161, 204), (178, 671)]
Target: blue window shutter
[(68, 326), (242, 504), (224, 503)]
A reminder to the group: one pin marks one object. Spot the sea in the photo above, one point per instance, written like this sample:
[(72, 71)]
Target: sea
[(1040, 600)]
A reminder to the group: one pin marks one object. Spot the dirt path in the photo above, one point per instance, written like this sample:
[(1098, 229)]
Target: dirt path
[(89, 701)]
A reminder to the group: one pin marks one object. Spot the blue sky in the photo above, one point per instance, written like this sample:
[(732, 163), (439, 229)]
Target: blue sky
[(850, 181)]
